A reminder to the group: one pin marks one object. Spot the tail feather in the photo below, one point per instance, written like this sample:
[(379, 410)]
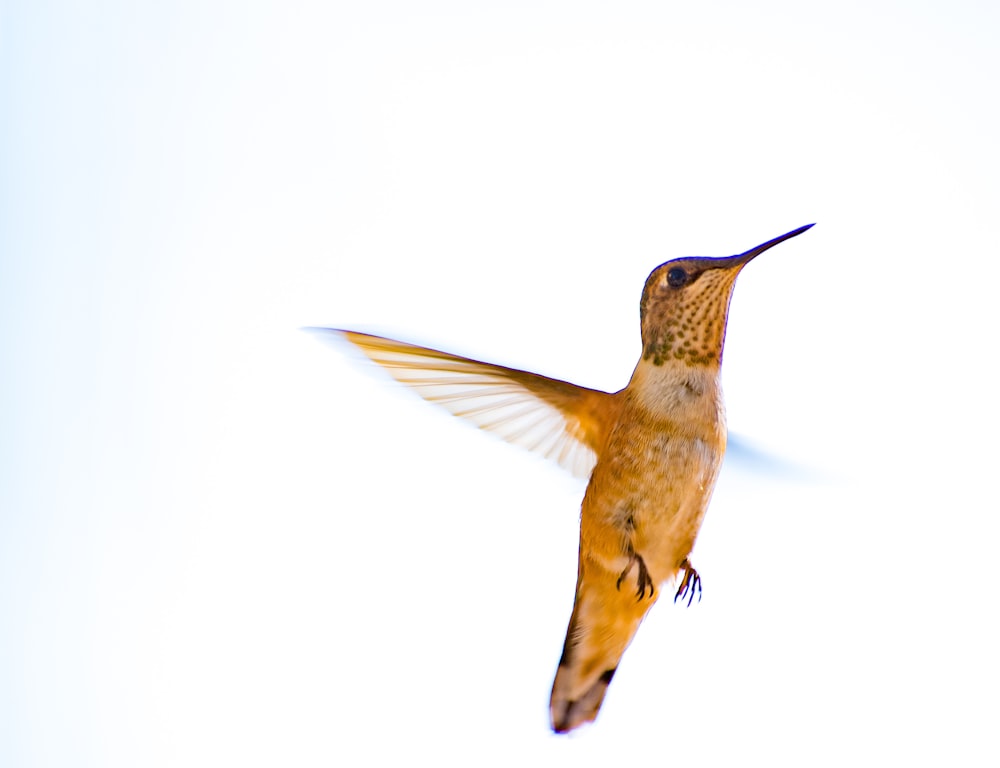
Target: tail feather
[(603, 623), (569, 714)]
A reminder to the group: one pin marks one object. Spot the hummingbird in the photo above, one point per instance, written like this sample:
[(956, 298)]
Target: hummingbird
[(651, 453)]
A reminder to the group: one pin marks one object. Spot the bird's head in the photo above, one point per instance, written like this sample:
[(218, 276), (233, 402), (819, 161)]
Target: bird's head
[(685, 304)]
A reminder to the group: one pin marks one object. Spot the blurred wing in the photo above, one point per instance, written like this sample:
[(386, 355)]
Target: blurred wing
[(557, 419), (744, 456)]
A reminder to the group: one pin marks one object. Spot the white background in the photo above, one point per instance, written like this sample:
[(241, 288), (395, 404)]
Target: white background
[(224, 544)]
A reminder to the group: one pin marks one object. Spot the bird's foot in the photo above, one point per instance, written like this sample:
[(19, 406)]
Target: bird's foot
[(690, 584), (643, 579)]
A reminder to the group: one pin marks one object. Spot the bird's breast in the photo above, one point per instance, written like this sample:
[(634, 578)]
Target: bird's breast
[(653, 483)]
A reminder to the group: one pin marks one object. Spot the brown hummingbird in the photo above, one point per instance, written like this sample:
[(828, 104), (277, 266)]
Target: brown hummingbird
[(651, 451)]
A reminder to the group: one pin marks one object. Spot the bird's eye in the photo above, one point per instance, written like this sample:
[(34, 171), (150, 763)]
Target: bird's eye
[(676, 277)]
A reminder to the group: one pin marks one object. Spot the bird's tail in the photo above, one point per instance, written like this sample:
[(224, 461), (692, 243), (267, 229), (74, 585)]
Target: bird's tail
[(603, 623)]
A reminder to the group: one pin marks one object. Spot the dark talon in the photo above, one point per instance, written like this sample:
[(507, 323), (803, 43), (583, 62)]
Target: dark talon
[(643, 579), (691, 583)]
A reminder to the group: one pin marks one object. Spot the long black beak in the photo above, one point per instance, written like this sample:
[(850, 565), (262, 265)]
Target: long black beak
[(743, 258)]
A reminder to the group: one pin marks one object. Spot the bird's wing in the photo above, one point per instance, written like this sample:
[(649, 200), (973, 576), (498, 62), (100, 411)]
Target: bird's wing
[(557, 419)]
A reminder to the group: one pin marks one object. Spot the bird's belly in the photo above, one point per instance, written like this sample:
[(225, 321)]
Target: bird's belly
[(655, 499)]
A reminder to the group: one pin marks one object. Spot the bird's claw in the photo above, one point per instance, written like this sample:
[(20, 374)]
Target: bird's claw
[(690, 584), (643, 579)]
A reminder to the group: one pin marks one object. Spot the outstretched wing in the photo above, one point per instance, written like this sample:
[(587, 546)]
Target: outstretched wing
[(557, 419)]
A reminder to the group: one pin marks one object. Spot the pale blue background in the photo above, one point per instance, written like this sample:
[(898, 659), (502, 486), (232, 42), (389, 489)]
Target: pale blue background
[(223, 544)]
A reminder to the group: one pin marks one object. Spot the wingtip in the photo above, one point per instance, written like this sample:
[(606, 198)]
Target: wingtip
[(333, 337), (355, 337)]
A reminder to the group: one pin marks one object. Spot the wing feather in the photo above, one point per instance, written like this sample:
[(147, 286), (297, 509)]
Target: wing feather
[(559, 420)]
